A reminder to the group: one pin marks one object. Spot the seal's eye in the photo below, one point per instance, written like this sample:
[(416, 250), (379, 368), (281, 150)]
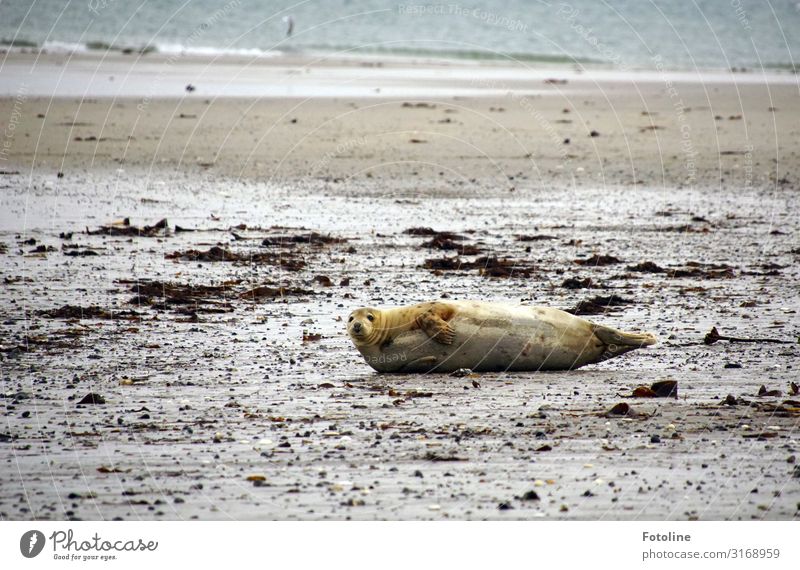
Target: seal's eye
[(350, 320), (370, 318)]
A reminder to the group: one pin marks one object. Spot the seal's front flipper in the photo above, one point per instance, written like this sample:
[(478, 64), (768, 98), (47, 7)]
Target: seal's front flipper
[(424, 364), (436, 327)]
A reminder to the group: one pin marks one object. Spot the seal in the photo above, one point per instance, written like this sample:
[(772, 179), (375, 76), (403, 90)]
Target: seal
[(443, 336)]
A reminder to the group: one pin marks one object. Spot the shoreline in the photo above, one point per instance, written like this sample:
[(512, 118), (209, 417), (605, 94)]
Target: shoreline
[(356, 55), (115, 75)]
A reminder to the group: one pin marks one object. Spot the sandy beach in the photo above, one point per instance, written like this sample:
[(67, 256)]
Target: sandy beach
[(199, 368), (655, 129)]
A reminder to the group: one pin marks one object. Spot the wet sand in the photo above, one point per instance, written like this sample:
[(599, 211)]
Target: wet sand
[(230, 389), (530, 128)]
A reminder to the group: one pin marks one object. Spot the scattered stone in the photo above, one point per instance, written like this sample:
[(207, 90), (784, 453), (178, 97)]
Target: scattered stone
[(661, 389), (622, 410), (311, 337), (530, 496), (323, 280), (353, 502), (764, 393), (92, 398), (643, 392), (576, 283)]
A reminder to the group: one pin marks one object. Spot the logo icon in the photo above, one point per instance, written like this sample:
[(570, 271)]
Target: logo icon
[(31, 543)]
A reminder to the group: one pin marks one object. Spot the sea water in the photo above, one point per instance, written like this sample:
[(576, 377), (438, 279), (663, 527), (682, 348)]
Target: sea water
[(623, 34)]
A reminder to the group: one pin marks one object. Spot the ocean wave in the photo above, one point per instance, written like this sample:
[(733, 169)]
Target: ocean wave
[(18, 43), (454, 54), (171, 49), (94, 46), (340, 51)]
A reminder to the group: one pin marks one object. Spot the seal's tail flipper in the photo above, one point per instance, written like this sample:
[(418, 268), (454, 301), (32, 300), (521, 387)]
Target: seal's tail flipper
[(614, 337)]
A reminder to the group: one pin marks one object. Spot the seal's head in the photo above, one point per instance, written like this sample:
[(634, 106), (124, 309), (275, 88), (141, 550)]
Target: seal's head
[(363, 325)]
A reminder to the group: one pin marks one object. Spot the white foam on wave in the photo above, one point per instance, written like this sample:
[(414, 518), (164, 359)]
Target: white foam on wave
[(167, 49), (172, 49), (64, 47)]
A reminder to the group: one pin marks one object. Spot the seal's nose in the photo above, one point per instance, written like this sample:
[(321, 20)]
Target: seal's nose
[(357, 327)]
